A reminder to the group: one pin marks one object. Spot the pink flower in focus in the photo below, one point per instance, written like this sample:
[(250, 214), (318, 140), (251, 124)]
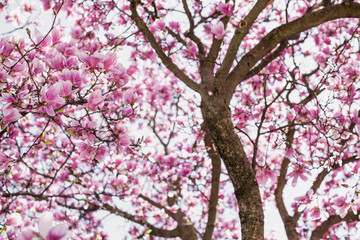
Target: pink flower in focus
[(298, 172), (56, 36), (45, 40), (66, 88), (119, 75), (95, 99), (10, 115), (218, 30), (91, 61), (226, 9), (6, 47), (52, 98), (57, 62), (109, 61), (8, 98), (73, 76), (37, 66), (342, 205)]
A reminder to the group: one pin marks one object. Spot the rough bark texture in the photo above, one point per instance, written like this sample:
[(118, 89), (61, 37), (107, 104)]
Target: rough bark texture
[(218, 118), (215, 183), (185, 227)]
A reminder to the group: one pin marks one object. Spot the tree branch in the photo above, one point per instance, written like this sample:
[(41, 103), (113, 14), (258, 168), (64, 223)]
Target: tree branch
[(155, 231), (156, 46), (190, 34), (158, 205), (215, 184), (271, 40), (267, 60), (332, 220), (240, 33), (321, 176), (288, 221)]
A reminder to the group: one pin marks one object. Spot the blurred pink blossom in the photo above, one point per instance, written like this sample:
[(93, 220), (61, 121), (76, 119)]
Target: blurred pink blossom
[(47, 230), (218, 30), (226, 9), (14, 220)]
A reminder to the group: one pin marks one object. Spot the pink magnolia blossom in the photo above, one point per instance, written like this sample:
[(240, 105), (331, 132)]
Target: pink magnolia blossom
[(226, 9), (101, 153), (129, 97), (123, 140), (91, 61), (3, 162), (47, 230), (119, 181), (37, 66), (57, 232), (299, 171), (8, 98), (266, 174), (10, 114), (41, 39), (14, 219), (66, 88), (109, 61), (27, 234), (343, 206), (58, 61), (73, 76), (56, 36), (315, 212), (160, 25), (218, 30), (175, 26), (6, 47), (46, 4), (95, 99), (52, 99), (86, 149)]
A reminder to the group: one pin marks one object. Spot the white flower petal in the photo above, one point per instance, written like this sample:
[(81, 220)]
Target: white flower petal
[(45, 223)]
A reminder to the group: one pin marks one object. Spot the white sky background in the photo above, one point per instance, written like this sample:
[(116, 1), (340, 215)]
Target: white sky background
[(117, 227)]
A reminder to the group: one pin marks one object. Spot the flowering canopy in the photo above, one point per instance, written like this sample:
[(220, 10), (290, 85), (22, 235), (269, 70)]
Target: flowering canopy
[(171, 114)]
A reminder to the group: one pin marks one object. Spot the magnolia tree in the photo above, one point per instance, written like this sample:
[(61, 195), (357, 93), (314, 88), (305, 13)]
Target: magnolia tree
[(188, 119)]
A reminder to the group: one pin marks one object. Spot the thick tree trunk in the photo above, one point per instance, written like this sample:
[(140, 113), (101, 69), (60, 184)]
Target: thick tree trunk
[(217, 116), (185, 227)]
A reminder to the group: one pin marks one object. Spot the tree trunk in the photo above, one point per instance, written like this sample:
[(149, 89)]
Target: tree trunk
[(217, 116), (185, 227)]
